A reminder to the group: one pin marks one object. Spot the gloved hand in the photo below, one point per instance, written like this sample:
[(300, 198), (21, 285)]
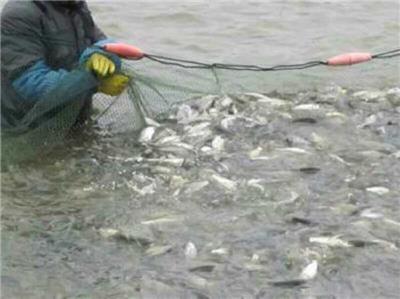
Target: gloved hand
[(113, 85), (100, 65)]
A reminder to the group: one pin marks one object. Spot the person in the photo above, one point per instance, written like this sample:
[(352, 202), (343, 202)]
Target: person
[(48, 46)]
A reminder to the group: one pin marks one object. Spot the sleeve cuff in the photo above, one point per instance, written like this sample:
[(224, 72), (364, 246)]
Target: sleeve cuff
[(97, 48)]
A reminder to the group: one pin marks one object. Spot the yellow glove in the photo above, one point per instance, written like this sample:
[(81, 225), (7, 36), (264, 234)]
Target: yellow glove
[(113, 85), (100, 65)]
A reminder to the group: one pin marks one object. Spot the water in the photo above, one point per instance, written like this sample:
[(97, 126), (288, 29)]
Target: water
[(263, 33), (294, 171)]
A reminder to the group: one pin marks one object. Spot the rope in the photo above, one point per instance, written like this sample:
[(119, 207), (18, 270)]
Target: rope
[(192, 64), (387, 54)]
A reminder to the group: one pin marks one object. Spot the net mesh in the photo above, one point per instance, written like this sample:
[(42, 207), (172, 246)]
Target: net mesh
[(49, 121), (153, 91)]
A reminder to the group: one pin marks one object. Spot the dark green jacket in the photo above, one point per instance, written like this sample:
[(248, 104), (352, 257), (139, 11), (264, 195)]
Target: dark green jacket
[(45, 33)]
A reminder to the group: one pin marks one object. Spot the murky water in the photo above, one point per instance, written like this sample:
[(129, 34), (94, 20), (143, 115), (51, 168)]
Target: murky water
[(232, 197)]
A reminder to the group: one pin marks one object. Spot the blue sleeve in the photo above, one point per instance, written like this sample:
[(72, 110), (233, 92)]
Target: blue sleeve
[(97, 48), (38, 80)]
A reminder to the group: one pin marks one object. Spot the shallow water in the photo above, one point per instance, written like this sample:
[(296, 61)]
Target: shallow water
[(293, 174), (103, 218)]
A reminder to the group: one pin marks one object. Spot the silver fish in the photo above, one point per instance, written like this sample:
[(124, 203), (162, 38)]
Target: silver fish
[(146, 135), (310, 271), (227, 184), (218, 143), (333, 241), (158, 250), (163, 220), (378, 190), (190, 250)]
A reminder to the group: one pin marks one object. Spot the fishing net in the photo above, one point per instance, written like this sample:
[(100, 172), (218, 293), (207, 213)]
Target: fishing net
[(48, 121), (157, 86)]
